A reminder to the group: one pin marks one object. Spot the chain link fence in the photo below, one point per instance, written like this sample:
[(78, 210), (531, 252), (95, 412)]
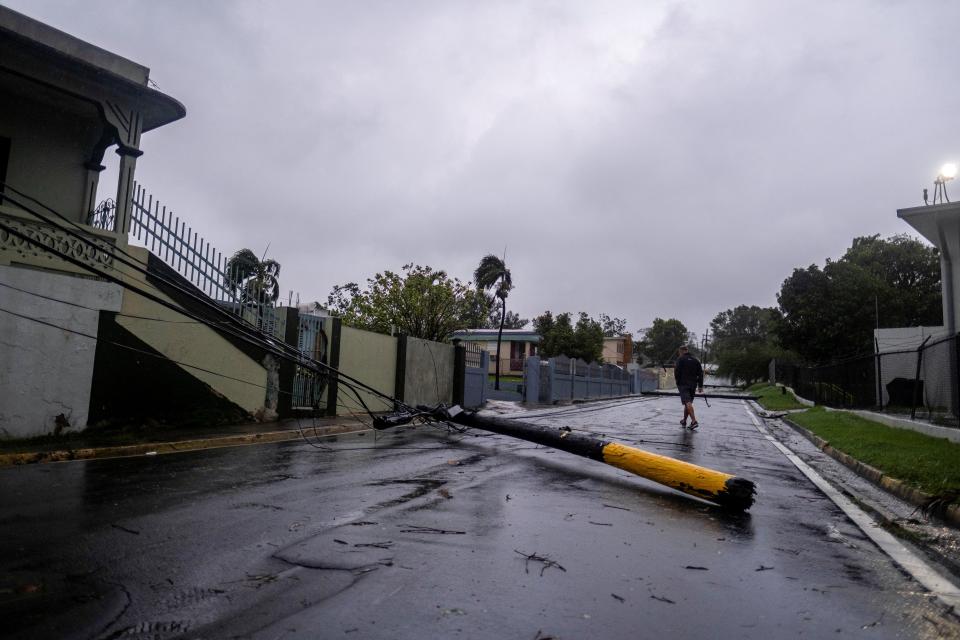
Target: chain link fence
[(921, 382)]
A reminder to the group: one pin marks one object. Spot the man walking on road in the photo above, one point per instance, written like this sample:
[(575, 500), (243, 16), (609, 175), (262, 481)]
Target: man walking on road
[(689, 376)]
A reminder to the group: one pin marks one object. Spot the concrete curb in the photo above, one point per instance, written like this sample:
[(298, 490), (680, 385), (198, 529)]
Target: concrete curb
[(157, 448), (932, 430), (891, 485), (803, 401)]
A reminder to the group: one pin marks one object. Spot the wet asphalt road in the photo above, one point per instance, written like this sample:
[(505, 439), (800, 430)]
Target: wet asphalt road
[(421, 534)]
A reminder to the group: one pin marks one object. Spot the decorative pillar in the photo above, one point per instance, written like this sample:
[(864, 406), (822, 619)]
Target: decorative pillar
[(126, 124), (94, 166), (90, 189), (128, 166)]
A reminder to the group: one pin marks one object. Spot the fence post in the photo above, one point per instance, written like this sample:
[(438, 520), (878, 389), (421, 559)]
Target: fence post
[(546, 382), (334, 365), (400, 379), (879, 375), (955, 375), (288, 369), (485, 367), (846, 387), (916, 378), (531, 373), (459, 373), (817, 387)]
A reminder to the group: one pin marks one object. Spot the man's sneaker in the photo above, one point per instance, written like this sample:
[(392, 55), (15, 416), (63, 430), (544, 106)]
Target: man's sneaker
[(694, 425), (683, 423)]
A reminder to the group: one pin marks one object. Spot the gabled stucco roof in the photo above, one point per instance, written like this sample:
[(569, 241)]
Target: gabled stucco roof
[(23, 38)]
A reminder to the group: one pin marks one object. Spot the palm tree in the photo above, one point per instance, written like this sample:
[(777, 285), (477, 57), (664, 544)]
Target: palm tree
[(254, 279), (494, 274)]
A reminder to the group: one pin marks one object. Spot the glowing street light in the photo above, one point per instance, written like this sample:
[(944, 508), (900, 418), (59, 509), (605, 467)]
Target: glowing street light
[(947, 172)]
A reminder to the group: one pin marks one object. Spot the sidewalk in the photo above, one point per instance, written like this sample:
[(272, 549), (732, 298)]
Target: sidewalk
[(895, 505), (92, 444)]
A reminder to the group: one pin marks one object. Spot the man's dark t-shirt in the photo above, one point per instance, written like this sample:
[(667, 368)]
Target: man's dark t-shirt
[(688, 372)]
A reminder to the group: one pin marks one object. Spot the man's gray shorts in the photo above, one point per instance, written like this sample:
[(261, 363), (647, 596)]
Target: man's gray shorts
[(686, 394)]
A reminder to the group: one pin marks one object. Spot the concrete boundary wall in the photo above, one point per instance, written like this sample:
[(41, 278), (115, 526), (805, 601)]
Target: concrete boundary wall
[(412, 370), (371, 358), (563, 380), (429, 373)]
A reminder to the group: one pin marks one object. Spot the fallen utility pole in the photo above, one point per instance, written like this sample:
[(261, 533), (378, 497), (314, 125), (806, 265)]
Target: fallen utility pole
[(730, 492), (722, 396)]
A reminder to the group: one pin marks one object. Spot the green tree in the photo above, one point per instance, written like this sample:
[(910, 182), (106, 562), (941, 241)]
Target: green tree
[(492, 273), (830, 313), (481, 307), (559, 336), (744, 342), (255, 280), (909, 276), (512, 320), (420, 302), (659, 343), (612, 327)]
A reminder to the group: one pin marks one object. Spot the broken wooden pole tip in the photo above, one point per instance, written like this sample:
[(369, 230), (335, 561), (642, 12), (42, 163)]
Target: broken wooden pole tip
[(738, 494)]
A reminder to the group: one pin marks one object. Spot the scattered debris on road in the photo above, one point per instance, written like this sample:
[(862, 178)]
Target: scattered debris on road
[(122, 528), (547, 562), (415, 528)]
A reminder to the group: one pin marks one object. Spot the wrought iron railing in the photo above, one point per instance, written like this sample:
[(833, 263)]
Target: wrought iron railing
[(196, 259), (104, 216)]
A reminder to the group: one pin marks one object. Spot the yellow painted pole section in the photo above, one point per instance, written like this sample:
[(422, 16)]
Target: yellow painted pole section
[(683, 476)]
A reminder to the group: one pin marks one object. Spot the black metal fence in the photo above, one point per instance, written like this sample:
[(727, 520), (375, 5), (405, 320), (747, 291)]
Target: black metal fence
[(922, 382), (474, 353)]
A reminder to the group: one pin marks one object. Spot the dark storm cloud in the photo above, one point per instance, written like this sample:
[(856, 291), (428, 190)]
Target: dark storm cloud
[(664, 159)]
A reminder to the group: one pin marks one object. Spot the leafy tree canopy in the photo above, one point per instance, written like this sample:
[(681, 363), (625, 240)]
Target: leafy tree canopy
[(492, 273), (659, 343), (420, 302), (744, 342), (560, 336), (830, 313), (612, 327), (512, 320)]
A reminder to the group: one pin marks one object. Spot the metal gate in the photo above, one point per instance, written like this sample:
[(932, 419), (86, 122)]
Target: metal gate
[(308, 385)]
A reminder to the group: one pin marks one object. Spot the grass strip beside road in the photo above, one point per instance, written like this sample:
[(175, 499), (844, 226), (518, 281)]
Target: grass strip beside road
[(931, 464), (773, 398)]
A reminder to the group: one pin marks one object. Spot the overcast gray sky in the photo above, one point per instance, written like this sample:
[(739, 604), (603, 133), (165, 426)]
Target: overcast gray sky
[(640, 159)]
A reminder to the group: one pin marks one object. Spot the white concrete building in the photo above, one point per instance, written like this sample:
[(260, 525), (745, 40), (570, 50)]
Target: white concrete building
[(65, 102)]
